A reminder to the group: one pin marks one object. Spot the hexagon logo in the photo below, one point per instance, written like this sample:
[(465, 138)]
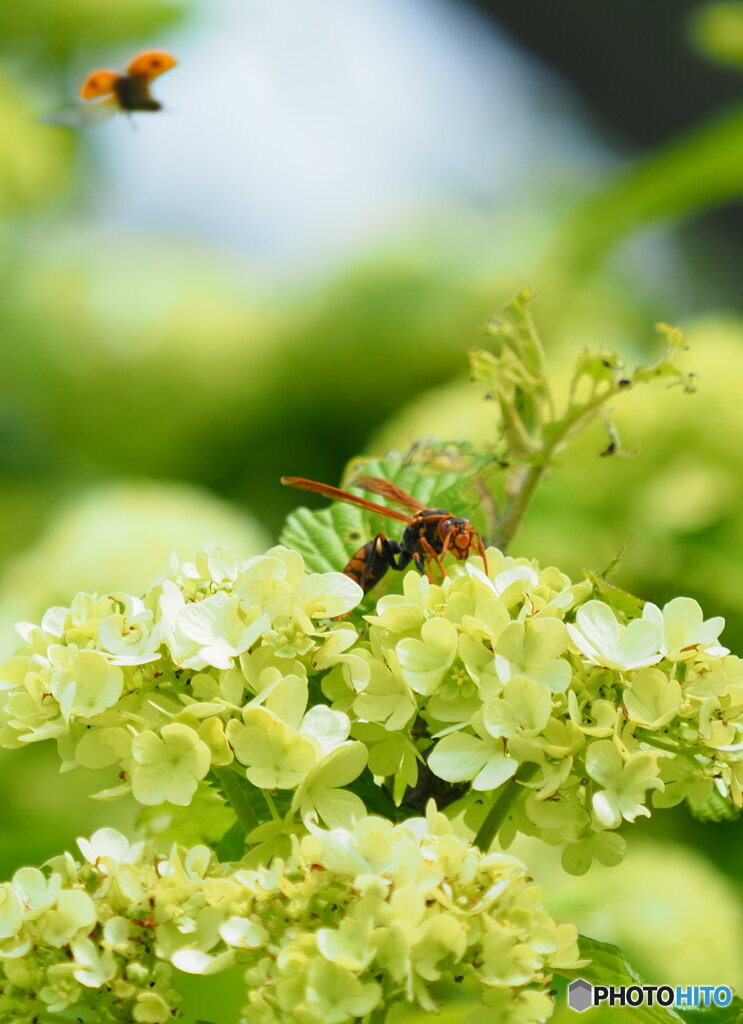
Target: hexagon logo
[(580, 995)]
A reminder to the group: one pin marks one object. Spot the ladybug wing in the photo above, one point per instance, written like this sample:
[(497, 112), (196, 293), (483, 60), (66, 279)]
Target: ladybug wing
[(151, 64), (99, 85), (82, 115)]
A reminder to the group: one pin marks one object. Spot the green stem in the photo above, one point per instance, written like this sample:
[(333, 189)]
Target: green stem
[(503, 804), (649, 737), (59, 1018), (271, 805), (378, 1016), (233, 790), (521, 486), (524, 480)]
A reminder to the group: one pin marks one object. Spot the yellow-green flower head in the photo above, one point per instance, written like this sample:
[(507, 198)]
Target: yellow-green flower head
[(246, 672), (357, 918)]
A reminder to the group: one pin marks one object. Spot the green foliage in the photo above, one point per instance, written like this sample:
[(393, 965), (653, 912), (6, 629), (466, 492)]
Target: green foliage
[(717, 29), (700, 170), (532, 431), (65, 27), (608, 966), (36, 162), (620, 600), (714, 808)]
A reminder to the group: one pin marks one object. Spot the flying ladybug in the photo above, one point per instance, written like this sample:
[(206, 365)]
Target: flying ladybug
[(105, 92)]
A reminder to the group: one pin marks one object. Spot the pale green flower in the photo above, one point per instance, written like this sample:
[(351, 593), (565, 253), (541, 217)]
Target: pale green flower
[(276, 756), (11, 911), (334, 995), (684, 630), (335, 651), (257, 669), (297, 605), (594, 718), (385, 699), (285, 696), (389, 751), (212, 631), (151, 1008), (107, 849), (327, 728), (129, 637), (624, 783), (604, 641), (607, 848), (74, 913), (512, 1006), (87, 684), (460, 757), (242, 933), (524, 709), (195, 961), (506, 960), (477, 657), (93, 967), (652, 699), (348, 945), (553, 750), (406, 612), (321, 793), (36, 890), (533, 649), (560, 820), (61, 990), (101, 747), (439, 940), (280, 742), (168, 766), (365, 849), (327, 595), (213, 563), (424, 662)]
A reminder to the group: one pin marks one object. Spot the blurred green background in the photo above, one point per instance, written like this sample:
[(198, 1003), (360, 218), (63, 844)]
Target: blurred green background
[(287, 266)]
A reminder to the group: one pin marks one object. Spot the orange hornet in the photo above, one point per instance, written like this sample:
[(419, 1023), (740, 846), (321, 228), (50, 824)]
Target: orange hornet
[(429, 532)]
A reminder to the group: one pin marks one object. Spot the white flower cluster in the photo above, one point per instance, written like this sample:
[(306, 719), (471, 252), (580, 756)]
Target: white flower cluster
[(210, 668), (599, 710), (513, 674), (355, 920)]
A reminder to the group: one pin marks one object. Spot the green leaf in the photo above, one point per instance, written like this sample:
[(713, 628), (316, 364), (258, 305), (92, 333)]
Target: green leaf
[(609, 967), (698, 170), (232, 844), (619, 600), (514, 374), (327, 538), (205, 820), (714, 808), (245, 799), (714, 1014), (717, 30), (375, 799)]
